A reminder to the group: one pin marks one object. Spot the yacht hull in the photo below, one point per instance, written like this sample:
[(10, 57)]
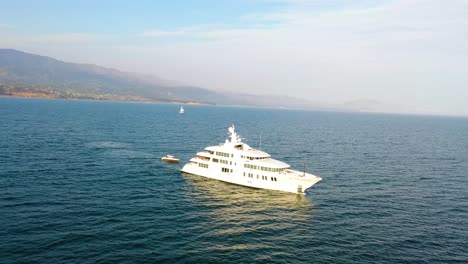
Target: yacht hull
[(292, 181)]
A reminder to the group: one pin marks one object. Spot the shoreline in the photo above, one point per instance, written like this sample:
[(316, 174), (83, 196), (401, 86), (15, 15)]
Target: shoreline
[(237, 106)]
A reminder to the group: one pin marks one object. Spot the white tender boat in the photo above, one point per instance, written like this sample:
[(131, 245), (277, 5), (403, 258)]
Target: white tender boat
[(170, 158), (238, 163)]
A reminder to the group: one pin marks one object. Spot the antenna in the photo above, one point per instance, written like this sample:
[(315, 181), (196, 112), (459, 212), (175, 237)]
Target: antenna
[(304, 167), (260, 141)]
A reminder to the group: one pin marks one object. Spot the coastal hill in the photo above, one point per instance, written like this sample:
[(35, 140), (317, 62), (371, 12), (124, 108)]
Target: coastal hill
[(28, 75)]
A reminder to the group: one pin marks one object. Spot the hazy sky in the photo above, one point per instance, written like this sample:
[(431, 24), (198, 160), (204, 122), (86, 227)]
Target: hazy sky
[(412, 53)]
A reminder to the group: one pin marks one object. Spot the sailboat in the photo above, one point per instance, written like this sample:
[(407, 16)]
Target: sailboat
[(181, 111)]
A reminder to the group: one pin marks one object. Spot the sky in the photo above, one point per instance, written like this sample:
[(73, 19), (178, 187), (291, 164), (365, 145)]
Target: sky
[(410, 54)]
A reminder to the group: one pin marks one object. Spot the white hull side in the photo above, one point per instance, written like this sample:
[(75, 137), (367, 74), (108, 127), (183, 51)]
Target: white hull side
[(284, 182)]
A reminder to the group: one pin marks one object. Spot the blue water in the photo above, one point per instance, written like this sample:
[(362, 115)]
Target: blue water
[(82, 182)]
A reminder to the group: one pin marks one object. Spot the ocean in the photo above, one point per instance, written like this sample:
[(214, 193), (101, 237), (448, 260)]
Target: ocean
[(82, 182)]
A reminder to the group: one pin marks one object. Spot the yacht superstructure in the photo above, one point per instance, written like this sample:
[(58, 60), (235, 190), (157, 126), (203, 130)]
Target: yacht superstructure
[(238, 163)]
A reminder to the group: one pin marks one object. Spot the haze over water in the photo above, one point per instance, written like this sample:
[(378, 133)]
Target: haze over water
[(82, 182)]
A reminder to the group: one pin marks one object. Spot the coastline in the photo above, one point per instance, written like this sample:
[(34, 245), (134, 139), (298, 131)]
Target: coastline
[(152, 101)]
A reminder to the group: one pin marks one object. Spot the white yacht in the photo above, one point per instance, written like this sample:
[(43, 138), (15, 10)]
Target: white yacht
[(238, 163), (181, 111)]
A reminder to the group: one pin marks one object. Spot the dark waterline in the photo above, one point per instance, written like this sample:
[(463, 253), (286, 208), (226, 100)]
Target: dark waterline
[(81, 182)]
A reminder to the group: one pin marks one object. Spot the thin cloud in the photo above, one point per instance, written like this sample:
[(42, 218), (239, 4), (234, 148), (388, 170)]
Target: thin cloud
[(162, 33), (396, 41), (65, 38), (209, 31)]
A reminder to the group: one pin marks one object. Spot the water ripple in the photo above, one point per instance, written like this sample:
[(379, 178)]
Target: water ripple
[(82, 182)]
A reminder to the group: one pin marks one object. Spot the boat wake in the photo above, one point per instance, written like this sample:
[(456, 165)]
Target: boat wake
[(107, 145)]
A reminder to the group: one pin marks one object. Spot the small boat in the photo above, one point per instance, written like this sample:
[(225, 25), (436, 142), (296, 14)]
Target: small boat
[(170, 159), (181, 111)]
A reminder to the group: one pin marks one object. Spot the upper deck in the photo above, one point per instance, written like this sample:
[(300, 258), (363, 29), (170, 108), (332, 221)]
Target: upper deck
[(240, 149), (237, 150)]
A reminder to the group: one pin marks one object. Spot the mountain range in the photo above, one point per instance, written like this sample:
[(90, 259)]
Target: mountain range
[(29, 75), (25, 74)]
